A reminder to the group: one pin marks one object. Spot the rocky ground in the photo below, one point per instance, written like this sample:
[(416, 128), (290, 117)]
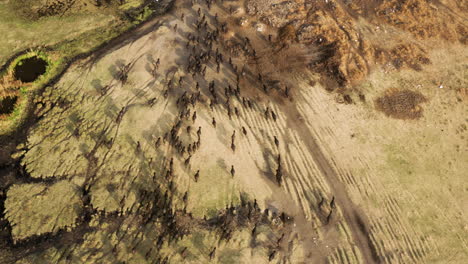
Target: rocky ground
[(251, 132)]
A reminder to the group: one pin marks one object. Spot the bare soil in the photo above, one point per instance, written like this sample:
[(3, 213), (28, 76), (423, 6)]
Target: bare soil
[(210, 135)]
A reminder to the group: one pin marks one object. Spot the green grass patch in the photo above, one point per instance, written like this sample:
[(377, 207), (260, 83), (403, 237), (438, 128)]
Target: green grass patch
[(229, 256), (213, 192), (25, 91), (130, 4), (65, 37)]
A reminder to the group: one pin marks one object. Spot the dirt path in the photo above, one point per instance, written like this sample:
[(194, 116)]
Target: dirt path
[(353, 215), (356, 220), (288, 199)]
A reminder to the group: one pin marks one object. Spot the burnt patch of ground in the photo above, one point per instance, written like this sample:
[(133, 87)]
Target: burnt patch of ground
[(401, 104)]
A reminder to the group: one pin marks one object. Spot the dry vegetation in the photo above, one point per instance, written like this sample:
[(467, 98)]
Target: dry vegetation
[(50, 208), (350, 32), (209, 140), (9, 86), (401, 104), (9, 93)]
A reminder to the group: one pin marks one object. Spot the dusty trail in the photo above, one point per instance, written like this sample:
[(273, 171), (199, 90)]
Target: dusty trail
[(356, 220), (353, 216), (284, 199), (309, 134)]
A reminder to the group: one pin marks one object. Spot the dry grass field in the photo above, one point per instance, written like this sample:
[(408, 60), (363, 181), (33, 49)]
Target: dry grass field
[(232, 132), (30, 24), (57, 31)]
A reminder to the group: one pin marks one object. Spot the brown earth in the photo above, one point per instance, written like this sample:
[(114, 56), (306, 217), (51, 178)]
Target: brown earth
[(124, 127), (350, 34), (34, 10), (401, 104)]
